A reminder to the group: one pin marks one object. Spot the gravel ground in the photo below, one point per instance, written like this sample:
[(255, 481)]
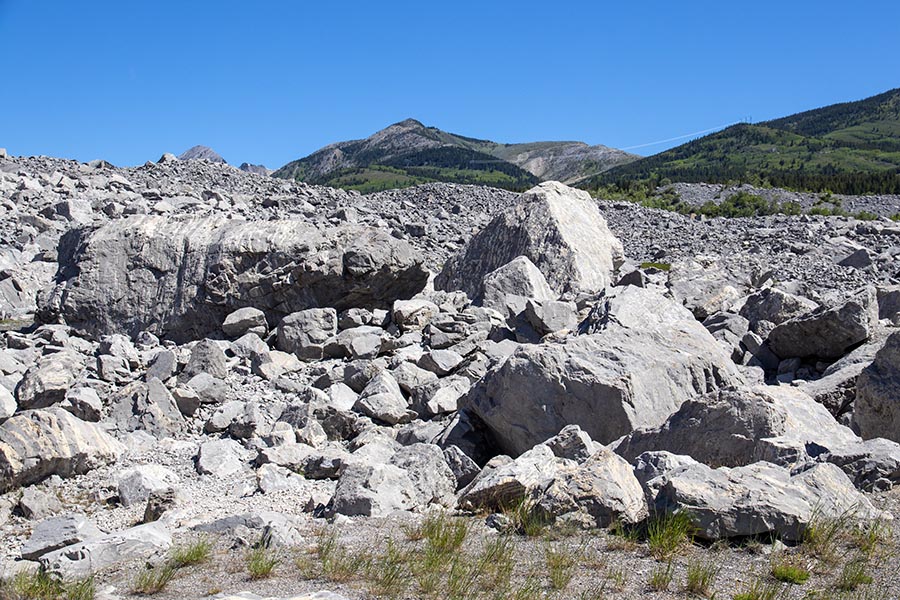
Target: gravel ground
[(608, 566)]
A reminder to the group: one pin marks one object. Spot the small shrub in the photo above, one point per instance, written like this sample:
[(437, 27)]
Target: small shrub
[(561, 563), (787, 571), (700, 578), (191, 554), (853, 574), (154, 580), (261, 562), (669, 533), (865, 215), (762, 590), (661, 577)]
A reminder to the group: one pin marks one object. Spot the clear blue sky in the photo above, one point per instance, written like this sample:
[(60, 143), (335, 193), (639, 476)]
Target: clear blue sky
[(268, 82)]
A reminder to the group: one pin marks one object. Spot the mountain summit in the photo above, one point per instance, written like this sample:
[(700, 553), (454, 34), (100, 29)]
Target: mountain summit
[(202, 153), (409, 153)]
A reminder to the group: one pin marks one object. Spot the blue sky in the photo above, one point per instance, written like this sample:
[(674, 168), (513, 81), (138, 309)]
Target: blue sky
[(268, 82)]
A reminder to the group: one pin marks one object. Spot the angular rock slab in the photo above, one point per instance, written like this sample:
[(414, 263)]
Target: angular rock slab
[(180, 278), (760, 499), (744, 425), (644, 357), (38, 443), (558, 228)]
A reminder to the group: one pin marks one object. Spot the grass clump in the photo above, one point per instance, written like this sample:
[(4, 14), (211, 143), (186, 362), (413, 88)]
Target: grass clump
[(760, 589), (526, 519), (700, 578), (788, 571), (388, 574), (261, 563), (153, 580), (667, 534), (561, 563), (40, 585), (822, 535), (661, 577), (338, 563), (853, 574), (188, 555), (624, 537)]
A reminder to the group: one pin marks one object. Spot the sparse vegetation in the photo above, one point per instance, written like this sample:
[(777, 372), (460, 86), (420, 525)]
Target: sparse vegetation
[(526, 520), (786, 570), (261, 562), (667, 534), (191, 554), (656, 265), (853, 574), (561, 562), (661, 577), (760, 589), (153, 580), (700, 578), (40, 585)]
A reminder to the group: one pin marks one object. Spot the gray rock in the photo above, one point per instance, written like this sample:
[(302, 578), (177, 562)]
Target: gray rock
[(382, 399), (572, 443), (220, 459), (705, 285), (604, 488), (775, 306), (83, 559), (245, 320), (644, 356), (504, 485), (557, 227), (760, 499), (180, 278), (374, 491), (409, 376), (36, 504), (413, 314), (507, 288), (464, 468), (38, 443), (440, 362), (876, 410), (47, 382), (163, 365), (305, 332), (137, 483), (551, 316), (431, 475), (872, 465), (8, 404), (58, 532), (84, 403), (147, 406), (827, 332), (740, 426), (206, 357)]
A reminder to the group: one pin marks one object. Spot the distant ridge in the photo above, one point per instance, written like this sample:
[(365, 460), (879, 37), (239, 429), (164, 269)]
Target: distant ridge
[(409, 153)]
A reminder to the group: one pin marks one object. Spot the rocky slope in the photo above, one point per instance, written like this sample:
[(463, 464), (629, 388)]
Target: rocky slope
[(193, 352), (201, 153)]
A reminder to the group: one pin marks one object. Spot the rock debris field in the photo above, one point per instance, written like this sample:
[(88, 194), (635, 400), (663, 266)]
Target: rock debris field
[(219, 384)]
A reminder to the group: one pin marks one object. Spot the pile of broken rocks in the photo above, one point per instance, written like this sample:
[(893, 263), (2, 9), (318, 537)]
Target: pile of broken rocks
[(197, 372)]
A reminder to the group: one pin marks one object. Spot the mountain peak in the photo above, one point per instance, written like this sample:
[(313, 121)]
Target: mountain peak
[(202, 153)]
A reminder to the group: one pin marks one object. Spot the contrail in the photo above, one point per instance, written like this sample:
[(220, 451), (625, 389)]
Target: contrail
[(681, 137)]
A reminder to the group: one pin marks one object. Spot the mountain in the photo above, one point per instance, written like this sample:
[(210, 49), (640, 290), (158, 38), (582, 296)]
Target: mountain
[(849, 148), (201, 153), (409, 153), (257, 169)]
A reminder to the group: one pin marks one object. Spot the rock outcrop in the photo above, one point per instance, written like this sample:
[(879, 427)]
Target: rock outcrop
[(180, 278)]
